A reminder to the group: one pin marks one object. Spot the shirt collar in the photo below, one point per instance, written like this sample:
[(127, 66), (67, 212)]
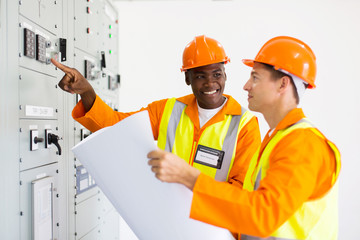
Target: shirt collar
[(232, 107), (291, 118)]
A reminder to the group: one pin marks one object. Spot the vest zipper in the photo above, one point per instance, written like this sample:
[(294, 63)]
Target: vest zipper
[(192, 155)]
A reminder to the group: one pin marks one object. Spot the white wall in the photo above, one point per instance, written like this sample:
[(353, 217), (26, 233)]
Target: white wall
[(153, 35)]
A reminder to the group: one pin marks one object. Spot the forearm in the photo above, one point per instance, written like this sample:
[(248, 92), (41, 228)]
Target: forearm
[(257, 213), (100, 115), (88, 99)]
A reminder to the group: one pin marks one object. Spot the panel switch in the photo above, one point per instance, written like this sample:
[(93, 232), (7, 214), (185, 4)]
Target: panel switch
[(34, 140), (62, 42), (47, 142), (84, 134)]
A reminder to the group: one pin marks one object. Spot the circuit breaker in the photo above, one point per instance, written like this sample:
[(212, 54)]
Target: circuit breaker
[(52, 195)]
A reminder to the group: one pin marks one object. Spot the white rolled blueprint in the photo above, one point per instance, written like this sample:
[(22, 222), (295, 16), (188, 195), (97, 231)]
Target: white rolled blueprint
[(116, 157)]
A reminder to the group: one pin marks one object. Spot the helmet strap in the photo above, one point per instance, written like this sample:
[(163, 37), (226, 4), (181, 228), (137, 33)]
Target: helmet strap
[(300, 84)]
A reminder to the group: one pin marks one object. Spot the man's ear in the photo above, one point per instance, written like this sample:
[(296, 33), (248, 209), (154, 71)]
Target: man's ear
[(187, 78), (284, 83)]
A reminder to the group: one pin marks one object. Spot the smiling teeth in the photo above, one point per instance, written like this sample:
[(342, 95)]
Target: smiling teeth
[(212, 92)]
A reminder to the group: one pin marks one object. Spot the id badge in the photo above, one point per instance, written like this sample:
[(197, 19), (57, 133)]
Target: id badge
[(209, 156)]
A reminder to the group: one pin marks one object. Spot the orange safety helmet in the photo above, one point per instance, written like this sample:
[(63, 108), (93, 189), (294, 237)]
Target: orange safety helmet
[(203, 51), (289, 54)]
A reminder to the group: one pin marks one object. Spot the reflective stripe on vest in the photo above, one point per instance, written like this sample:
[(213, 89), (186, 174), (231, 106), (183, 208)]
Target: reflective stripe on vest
[(315, 219), (176, 135)]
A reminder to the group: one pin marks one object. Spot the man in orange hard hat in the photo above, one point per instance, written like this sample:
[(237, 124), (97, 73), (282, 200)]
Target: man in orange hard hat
[(290, 190), (206, 122)]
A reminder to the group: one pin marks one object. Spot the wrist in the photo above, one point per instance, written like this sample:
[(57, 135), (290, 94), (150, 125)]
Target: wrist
[(191, 177), (88, 98)]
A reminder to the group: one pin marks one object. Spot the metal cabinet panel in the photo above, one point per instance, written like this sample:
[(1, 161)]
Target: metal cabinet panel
[(110, 226), (99, 82), (94, 234), (105, 204), (94, 38), (41, 156), (80, 24), (26, 177), (32, 63), (93, 192), (39, 90), (48, 14), (109, 33), (88, 215)]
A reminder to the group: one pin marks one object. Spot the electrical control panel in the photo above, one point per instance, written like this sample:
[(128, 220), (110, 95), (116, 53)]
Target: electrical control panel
[(52, 194)]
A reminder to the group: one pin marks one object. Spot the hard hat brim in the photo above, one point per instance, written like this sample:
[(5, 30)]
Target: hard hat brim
[(225, 61), (248, 62)]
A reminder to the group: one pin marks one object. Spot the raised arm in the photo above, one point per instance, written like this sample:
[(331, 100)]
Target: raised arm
[(74, 82)]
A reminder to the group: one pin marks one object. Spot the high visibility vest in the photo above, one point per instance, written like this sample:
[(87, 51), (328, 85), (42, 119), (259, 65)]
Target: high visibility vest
[(315, 219), (176, 135)]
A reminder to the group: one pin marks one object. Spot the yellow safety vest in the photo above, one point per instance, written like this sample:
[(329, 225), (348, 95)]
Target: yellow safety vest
[(176, 135), (315, 219)]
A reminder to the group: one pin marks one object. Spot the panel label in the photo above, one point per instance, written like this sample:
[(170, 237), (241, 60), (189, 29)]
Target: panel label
[(37, 111)]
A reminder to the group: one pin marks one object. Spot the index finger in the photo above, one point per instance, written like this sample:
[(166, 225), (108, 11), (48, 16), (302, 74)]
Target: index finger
[(62, 67)]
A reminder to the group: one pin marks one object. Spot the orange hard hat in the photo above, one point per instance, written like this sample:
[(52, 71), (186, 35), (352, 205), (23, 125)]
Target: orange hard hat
[(203, 51), (289, 54)]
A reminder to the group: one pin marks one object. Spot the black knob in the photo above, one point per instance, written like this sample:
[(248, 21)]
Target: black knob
[(37, 140)]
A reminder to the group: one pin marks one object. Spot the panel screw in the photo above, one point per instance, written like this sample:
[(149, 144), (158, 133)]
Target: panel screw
[(19, 76), (20, 25), (20, 107), (20, 54)]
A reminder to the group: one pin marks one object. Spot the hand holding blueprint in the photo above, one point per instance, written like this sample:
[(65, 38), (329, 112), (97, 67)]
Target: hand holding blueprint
[(116, 157)]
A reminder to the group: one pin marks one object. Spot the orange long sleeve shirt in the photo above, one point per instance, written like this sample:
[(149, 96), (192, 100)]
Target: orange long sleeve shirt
[(249, 139), (301, 169)]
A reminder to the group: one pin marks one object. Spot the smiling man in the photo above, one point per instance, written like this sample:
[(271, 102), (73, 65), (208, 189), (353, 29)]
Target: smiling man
[(208, 129), (290, 190)]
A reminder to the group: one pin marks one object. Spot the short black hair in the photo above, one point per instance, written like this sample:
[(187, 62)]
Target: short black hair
[(276, 74)]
